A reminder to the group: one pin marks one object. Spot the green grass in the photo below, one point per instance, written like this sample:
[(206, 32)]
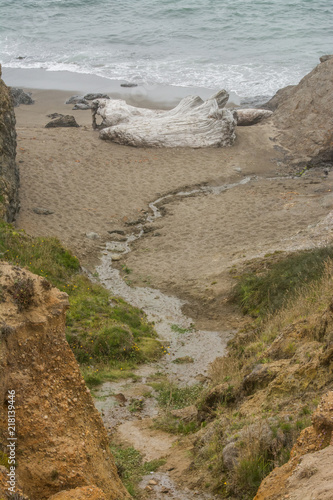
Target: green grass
[(132, 468), (168, 423), (173, 397), (108, 341), (179, 329), (266, 288)]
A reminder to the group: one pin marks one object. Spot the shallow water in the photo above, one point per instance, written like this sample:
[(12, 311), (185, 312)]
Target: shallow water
[(250, 47)]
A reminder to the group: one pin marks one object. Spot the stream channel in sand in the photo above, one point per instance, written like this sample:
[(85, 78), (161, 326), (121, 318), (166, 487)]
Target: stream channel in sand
[(179, 338)]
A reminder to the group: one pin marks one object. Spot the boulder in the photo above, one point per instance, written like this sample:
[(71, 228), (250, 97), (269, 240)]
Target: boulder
[(193, 123), (19, 96), (245, 117), (63, 121), (304, 118)]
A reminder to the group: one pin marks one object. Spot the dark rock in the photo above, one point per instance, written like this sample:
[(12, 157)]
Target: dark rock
[(55, 115), (128, 85), (81, 106), (42, 211), (9, 173), (21, 57), (278, 98), (20, 97), (62, 121), (325, 58), (75, 99), (92, 97), (117, 231)]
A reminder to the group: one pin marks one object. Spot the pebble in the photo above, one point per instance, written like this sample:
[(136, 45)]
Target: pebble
[(42, 211), (92, 236), (115, 257)]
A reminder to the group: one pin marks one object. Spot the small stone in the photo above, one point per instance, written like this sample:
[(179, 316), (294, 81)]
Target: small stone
[(115, 257), (116, 231), (92, 236), (55, 115), (42, 211), (152, 481), (128, 85)]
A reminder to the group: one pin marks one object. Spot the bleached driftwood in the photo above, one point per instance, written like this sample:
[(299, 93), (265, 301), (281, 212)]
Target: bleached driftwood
[(193, 123)]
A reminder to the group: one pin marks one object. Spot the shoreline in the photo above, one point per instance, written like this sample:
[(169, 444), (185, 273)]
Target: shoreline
[(151, 96)]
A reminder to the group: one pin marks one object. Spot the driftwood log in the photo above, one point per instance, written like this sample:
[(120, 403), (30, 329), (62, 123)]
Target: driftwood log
[(193, 123)]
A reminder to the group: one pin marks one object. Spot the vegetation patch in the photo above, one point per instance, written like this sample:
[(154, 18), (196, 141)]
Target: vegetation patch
[(132, 468), (108, 340), (269, 283), (269, 371)]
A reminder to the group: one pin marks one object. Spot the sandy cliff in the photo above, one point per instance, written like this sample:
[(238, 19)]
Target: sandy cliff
[(61, 441), (9, 176)]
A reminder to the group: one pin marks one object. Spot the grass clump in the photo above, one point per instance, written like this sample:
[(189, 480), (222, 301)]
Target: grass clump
[(23, 293), (131, 468), (107, 340), (265, 288), (173, 397)]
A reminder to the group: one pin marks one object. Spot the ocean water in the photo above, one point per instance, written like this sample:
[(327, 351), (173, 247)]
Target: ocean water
[(251, 47)]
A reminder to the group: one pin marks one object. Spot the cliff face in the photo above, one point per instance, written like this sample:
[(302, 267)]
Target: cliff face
[(305, 113), (309, 472), (61, 440), (9, 175)]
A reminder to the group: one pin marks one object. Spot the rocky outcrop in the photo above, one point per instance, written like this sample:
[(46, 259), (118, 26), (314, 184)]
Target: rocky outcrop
[(193, 123), (9, 174), (61, 440), (309, 472), (304, 116)]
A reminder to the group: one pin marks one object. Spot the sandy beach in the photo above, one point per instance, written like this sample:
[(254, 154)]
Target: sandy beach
[(96, 186)]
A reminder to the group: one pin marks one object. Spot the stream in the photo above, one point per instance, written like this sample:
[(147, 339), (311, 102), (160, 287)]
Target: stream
[(180, 339)]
